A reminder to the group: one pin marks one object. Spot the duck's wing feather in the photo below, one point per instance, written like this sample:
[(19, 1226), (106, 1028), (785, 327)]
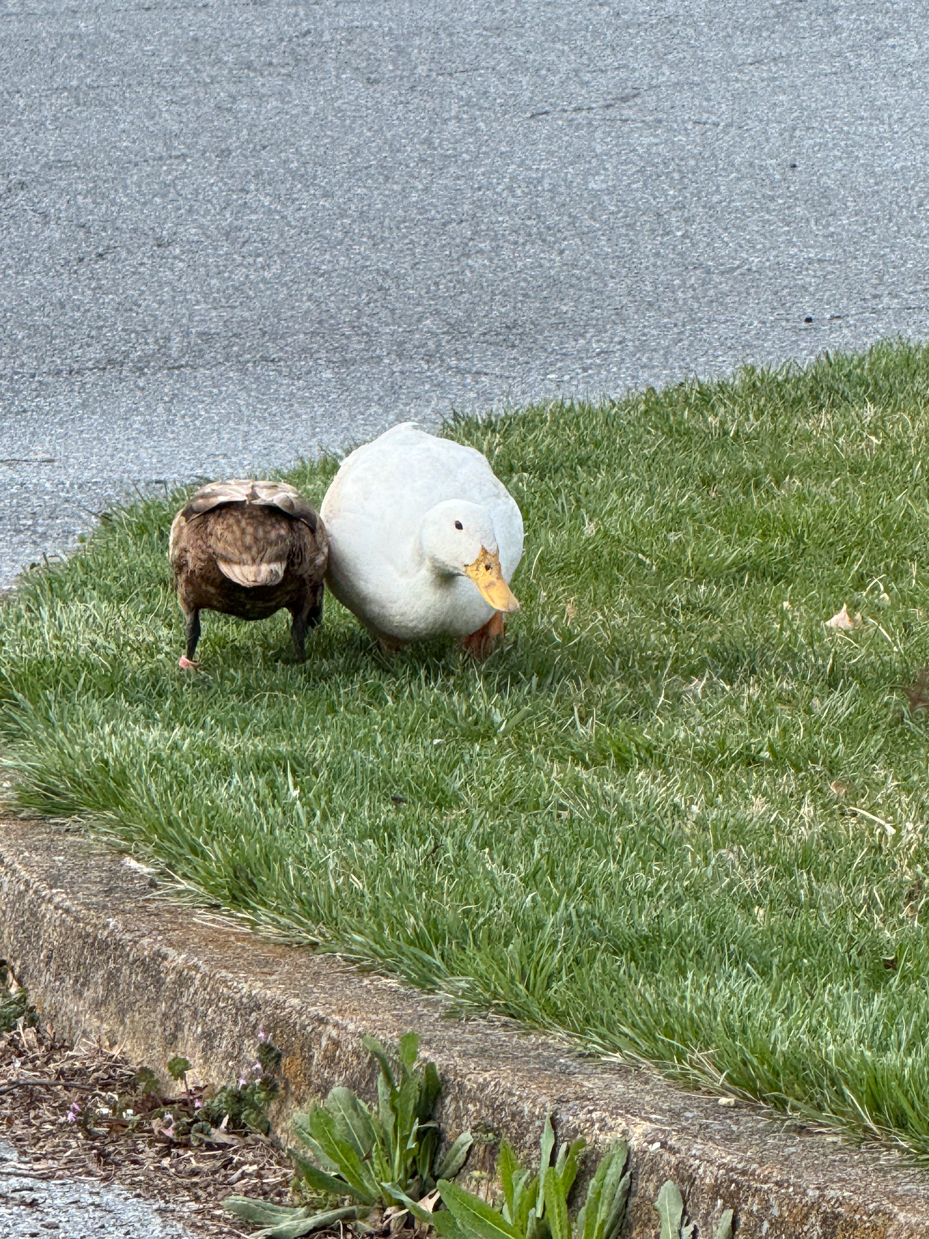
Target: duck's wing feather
[(177, 542), (247, 492), (254, 532)]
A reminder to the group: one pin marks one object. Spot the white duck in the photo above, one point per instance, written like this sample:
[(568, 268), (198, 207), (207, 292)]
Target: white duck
[(423, 540)]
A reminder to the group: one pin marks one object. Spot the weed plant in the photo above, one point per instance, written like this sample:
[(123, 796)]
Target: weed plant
[(535, 1205), (14, 1002), (676, 816), (365, 1161)]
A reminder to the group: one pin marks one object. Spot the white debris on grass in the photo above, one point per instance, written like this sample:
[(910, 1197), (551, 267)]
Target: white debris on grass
[(843, 621)]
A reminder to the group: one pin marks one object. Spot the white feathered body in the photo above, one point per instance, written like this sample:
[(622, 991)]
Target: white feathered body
[(374, 512)]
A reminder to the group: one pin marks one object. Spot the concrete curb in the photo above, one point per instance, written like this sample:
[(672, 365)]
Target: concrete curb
[(105, 953)]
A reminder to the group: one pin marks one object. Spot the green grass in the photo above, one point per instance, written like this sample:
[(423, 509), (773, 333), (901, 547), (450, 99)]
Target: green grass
[(675, 816)]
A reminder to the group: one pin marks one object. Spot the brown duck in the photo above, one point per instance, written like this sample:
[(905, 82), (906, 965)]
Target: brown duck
[(247, 549)]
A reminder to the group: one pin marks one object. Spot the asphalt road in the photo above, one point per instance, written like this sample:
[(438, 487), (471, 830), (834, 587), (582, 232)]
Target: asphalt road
[(36, 1207), (234, 233)]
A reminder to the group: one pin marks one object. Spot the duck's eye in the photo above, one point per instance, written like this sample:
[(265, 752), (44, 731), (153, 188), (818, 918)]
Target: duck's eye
[(458, 525)]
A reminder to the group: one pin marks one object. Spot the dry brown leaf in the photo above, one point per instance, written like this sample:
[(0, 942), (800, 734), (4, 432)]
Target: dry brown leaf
[(918, 692), (429, 1202)]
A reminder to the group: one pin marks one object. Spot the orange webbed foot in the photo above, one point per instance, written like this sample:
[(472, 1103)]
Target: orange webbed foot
[(481, 644)]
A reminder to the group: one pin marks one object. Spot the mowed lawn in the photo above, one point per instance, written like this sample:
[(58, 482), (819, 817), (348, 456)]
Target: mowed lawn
[(676, 816)]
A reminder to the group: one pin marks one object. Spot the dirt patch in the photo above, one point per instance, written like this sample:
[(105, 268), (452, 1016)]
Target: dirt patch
[(83, 1112)]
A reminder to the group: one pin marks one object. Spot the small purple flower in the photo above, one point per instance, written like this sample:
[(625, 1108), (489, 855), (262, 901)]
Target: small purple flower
[(242, 1081), (74, 1111), (263, 1036), (198, 1104), (257, 1068)]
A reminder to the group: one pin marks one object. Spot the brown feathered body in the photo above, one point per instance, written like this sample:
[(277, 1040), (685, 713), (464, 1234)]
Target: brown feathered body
[(249, 548)]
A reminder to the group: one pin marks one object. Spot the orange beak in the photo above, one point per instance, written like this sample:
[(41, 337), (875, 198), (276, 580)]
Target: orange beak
[(486, 574)]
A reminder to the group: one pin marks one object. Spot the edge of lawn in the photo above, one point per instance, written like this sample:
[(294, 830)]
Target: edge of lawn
[(108, 952)]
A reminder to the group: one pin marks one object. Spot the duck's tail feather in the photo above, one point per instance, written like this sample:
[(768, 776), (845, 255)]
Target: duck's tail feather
[(252, 575)]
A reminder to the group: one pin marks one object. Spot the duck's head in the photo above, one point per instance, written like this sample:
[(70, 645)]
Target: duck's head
[(458, 539)]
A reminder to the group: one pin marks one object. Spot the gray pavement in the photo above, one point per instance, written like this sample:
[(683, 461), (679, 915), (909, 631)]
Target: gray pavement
[(33, 1206), (234, 233)]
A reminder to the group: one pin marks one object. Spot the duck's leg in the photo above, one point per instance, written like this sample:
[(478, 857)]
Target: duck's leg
[(307, 614), (315, 614), (390, 645), (186, 661), (481, 643), (298, 633)]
